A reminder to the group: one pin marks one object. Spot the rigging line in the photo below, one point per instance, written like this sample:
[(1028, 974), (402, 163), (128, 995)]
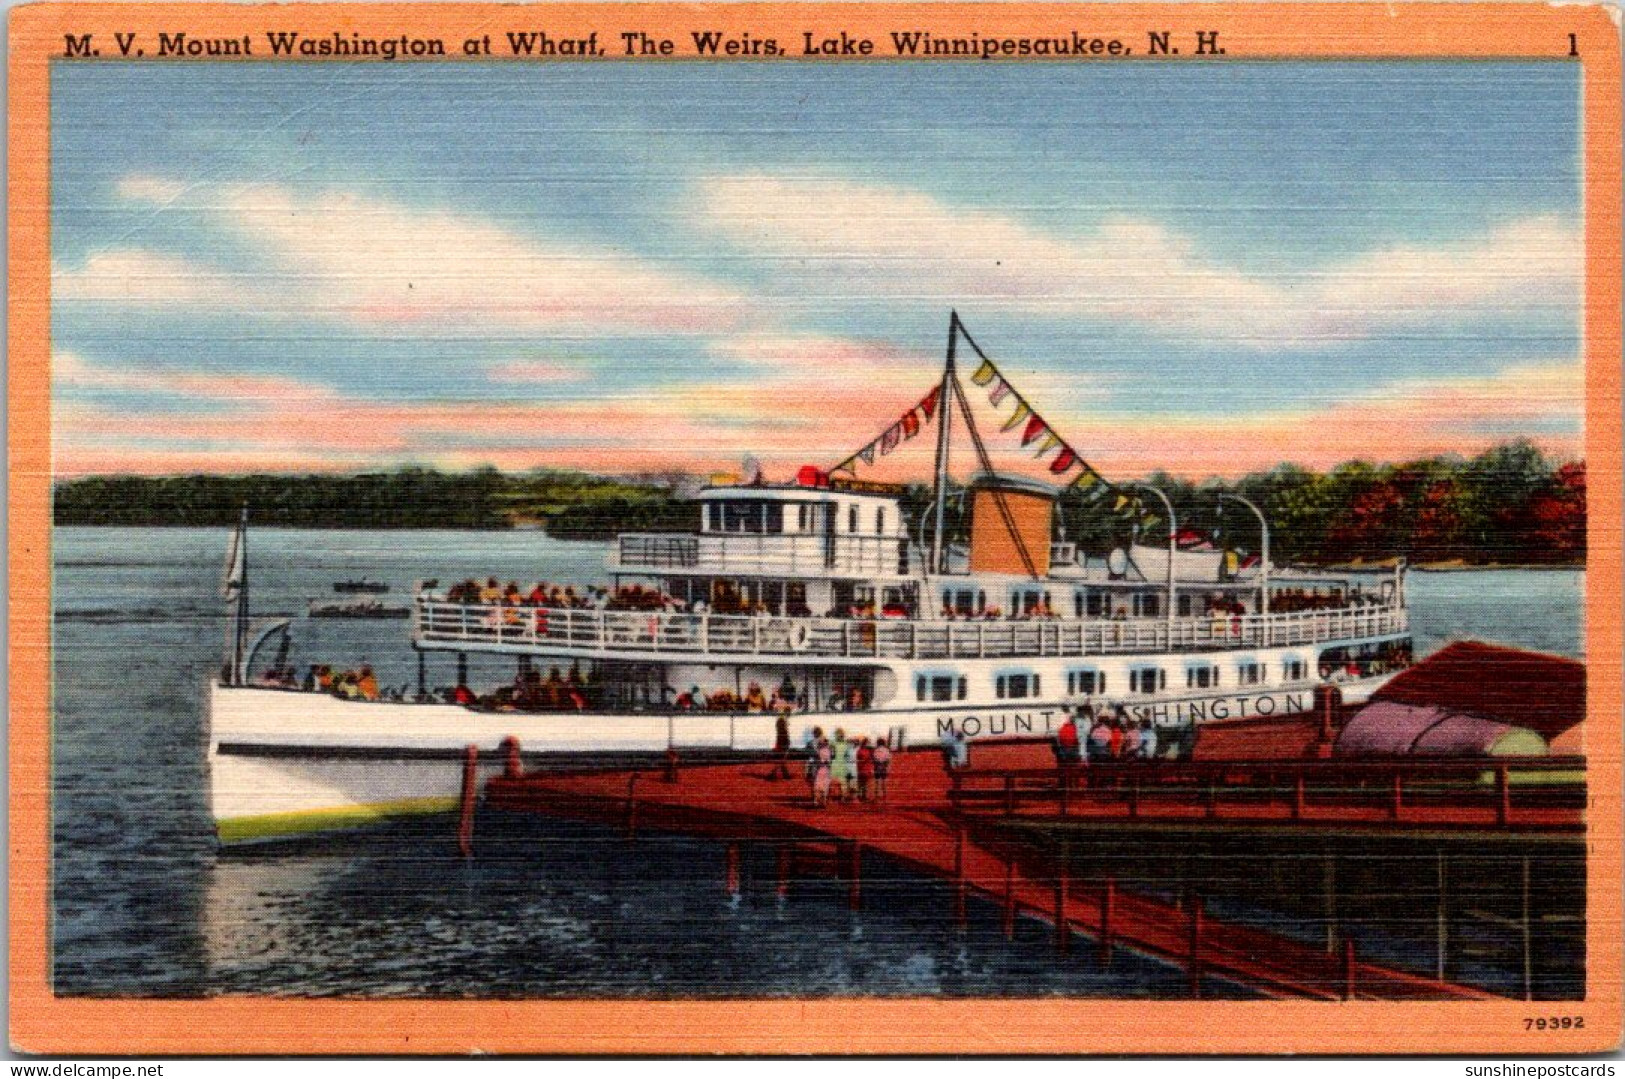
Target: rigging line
[(998, 495)]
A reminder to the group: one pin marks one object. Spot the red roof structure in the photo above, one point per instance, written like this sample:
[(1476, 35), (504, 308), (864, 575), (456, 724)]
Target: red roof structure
[(1542, 692)]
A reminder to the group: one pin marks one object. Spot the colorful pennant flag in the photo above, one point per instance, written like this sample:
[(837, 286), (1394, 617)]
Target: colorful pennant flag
[(1051, 440), (1063, 461), (867, 453), (929, 404), (984, 374), (999, 392), (911, 423), (1035, 427), (1021, 413), (889, 440)]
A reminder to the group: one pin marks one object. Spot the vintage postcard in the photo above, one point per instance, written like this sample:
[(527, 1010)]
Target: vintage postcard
[(815, 528)]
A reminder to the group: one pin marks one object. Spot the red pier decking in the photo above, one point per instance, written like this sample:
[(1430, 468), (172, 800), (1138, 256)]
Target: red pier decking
[(918, 827)]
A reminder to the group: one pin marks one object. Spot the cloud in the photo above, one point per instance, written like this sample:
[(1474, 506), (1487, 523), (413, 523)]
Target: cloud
[(341, 256), (703, 428), (853, 240), (68, 369), (136, 278), (524, 372)]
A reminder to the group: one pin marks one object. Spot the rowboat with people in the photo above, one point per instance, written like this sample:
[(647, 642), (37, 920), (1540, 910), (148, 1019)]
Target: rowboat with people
[(830, 600)]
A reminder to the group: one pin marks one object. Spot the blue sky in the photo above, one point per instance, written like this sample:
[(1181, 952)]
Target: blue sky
[(1205, 267)]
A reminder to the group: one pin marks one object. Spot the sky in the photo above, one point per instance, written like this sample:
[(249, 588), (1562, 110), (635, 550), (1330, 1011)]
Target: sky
[(639, 268)]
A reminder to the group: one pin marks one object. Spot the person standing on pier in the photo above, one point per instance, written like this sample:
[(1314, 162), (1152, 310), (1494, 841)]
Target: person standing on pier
[(781, 743), (1148, 740), (882, 767), (866, 768), (840, 774), (822, 759)]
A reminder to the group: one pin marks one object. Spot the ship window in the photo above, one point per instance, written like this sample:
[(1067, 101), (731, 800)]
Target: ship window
[(1027, 600), (1249, 674), (964, 685), (1147, 680), (1184, 606), (714, 513), (1085, 682), (942, 688), (1201, 677), (743, 517), (919, 688), (880, 521), (1292, 670), (852, 518), (1094, 604), (1015, 686), (775, 516), (1147, 604)]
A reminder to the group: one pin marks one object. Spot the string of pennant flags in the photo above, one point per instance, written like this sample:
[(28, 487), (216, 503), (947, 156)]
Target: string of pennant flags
[(1071, 470), (907, 426)]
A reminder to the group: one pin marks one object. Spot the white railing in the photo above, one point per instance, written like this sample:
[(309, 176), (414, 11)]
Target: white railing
[(789, 554), (667, 633)]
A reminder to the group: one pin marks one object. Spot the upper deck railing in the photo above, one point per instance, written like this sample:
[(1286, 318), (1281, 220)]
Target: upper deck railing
[(798, 553), (669, 634)]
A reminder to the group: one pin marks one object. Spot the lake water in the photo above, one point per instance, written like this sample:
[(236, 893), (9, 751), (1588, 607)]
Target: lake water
[(143, 905)]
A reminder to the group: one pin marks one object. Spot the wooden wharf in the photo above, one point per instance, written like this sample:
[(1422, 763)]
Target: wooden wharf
[(936, 823)]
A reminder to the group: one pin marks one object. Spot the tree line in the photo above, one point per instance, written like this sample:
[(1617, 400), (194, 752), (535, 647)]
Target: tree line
[(1508, 505)]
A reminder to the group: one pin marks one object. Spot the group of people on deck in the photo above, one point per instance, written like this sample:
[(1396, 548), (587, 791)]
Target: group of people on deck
[(843, 769), (541, 594), (1097, 736)]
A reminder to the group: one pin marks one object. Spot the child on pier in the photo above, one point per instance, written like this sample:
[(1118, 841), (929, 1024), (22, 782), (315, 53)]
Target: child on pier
[(822, 759)]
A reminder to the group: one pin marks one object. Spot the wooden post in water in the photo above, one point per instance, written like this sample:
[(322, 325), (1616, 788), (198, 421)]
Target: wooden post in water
[(1195, 964), (471, 791), (1442, 966), (1328, 872), (1108, 903), (959, 877), (632, 806), (1009, 900), (1528, 941), (1063, 875)]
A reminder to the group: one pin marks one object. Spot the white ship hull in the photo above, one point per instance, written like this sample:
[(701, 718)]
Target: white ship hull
[(285, 763)]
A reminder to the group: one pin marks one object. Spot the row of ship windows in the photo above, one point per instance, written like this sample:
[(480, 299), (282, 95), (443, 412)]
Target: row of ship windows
[(1140, 680), (1093, 604), (768, 517)]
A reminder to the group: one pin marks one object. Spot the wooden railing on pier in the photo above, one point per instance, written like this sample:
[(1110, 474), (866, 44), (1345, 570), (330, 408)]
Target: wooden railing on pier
[(566, 631), (1515, 793)]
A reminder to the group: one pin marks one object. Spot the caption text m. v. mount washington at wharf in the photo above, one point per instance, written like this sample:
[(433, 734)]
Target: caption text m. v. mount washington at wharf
[(634, 43)]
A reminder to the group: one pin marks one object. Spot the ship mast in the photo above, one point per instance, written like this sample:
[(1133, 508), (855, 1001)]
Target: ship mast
[(236, 587), (944, 421)]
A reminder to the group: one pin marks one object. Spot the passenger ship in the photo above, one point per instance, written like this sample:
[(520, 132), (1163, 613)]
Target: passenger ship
[(828, 594)]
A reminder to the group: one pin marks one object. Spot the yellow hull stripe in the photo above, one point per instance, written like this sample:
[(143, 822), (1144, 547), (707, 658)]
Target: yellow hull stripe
[(306, 821)]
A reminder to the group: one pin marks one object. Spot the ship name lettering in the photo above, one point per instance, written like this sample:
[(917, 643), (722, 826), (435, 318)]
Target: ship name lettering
[(1260, 703), (997, 724), (1025, 723), (965, 725)]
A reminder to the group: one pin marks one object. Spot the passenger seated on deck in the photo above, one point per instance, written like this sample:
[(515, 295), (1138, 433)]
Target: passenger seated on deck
[(754, 700), (690, 701), (367, 683), (492, 592), (462, 695), (854, 700), (553, 691)]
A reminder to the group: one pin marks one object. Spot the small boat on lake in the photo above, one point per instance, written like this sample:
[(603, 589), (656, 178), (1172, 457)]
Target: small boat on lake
[(360, 584), (358, 608)]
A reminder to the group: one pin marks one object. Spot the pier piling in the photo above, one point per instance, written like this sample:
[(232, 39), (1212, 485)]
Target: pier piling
[(1195, 967), (1108, 901)]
